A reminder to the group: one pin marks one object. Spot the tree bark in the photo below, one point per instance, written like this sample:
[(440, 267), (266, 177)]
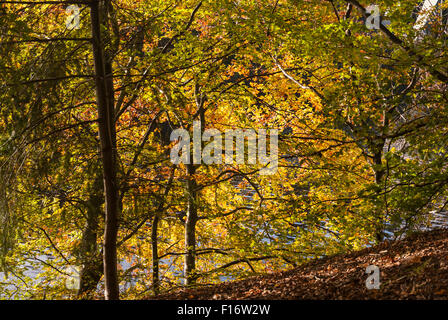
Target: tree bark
[(107, 134), (154, 236), (92, 269), (190, 228), (379, 173), (155, 254), (192, 194)]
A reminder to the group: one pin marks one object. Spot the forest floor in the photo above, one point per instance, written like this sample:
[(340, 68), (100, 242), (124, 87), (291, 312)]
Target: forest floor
[(412, 268)]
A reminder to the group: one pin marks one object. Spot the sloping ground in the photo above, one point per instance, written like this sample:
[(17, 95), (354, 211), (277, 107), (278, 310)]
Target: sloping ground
[(413, 268)]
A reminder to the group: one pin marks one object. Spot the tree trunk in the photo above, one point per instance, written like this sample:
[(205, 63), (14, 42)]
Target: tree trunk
[(106, 121), (154, 236), (155, 255), (192, 194), (379, 173), (92, 269), (190, 228)]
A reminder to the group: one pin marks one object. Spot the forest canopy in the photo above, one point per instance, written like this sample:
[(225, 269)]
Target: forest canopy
[(352, 99)]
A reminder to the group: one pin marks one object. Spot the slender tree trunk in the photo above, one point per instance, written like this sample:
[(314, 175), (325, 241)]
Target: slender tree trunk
[(154, 236), (108, 150), (192, 194), (155, 254), (190, 228), (92, 270), (379, 173)]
